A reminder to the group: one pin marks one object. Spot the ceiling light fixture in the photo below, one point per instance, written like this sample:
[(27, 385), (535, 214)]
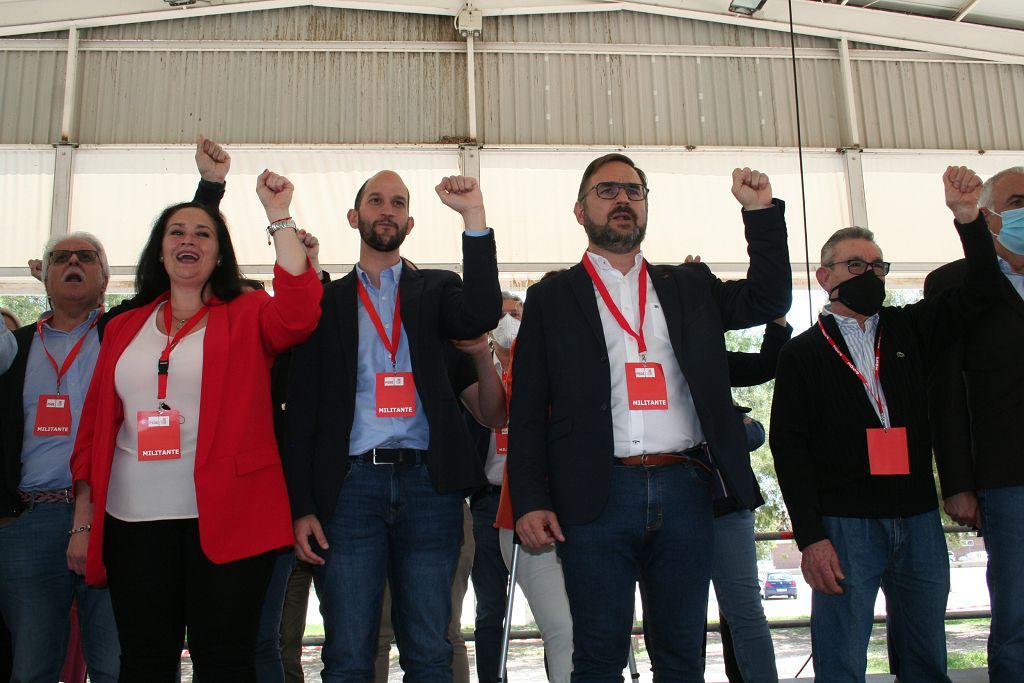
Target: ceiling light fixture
[(746, 7)]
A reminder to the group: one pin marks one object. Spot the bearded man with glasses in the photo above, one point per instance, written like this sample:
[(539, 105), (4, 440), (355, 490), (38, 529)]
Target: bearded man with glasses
[(622, 419), (852, 445)]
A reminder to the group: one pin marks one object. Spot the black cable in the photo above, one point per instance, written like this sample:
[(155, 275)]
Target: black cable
[(800, 153)]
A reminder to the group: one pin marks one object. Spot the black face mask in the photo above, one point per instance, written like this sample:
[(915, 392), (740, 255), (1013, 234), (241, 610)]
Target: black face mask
[(862, 294)]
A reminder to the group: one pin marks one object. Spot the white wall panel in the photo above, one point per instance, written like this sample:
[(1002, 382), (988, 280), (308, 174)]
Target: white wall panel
[(26, 195)]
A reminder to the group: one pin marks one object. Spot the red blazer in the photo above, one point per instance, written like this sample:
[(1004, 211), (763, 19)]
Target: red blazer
[(240, 490)]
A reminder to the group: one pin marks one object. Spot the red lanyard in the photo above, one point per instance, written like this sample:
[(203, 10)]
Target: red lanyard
[(396, 322), (603, 291), (878, 359), (72, 355), (164, 365)]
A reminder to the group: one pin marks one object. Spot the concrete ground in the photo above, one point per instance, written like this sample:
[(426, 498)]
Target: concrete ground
[(792, 648)]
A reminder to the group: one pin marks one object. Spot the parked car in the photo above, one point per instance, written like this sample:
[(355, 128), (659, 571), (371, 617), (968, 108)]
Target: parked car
[(778, 583)]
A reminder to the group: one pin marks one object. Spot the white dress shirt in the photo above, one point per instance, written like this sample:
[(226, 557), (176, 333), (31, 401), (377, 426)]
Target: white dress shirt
[(643, 431)]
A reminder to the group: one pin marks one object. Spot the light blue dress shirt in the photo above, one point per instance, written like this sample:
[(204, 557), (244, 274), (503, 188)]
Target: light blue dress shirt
[(45, 459), (8, 347), (1016, 279), (368, 430)]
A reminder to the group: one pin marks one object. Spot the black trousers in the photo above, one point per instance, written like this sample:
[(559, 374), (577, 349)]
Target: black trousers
[(162, 585)]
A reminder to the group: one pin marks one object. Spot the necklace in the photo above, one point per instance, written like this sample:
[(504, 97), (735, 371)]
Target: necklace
[(180, 323)]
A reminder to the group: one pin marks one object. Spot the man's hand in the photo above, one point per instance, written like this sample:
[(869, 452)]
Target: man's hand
[(474, 347), (78, 549), (692, 259), (751, 189), (538, 529), (462, 194), (35, 267), (304, 528), (963, 508), (312, 247), (275, 191), (820, 565), (963, 189), (212, 161)]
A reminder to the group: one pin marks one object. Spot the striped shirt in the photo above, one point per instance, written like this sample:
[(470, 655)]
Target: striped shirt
[(861, 343)]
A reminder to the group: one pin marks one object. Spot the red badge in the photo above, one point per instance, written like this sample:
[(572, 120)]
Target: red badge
[(645, 384), (396, 394), (53, 416), (887, 451), (501, 441), (159, 435)]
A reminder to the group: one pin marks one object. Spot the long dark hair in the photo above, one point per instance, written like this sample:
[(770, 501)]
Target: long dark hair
[(151, 279)]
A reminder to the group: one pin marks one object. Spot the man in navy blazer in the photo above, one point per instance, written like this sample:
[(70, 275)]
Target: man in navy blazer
[(622, 419), (376, 455), (975, 399)]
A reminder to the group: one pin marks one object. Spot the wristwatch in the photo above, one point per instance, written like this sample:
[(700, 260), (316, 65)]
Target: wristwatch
[(282, 224)]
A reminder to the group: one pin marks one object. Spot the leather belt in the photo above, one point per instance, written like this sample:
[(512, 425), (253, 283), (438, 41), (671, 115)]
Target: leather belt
[(31, 498), (693, 456), (390, 456)]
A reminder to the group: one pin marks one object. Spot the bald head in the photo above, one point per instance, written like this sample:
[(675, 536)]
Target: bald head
[(381, 178)]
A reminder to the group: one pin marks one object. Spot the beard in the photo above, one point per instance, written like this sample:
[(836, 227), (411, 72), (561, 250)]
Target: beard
[(368, 233), (603, 235)]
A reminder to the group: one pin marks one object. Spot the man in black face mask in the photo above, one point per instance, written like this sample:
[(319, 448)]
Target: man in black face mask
[(852, 447)]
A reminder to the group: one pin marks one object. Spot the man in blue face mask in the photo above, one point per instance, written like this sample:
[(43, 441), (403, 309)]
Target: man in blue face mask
[(976, 397)]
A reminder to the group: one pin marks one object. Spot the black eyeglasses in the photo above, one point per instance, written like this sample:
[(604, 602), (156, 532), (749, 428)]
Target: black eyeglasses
[(634, 191), (61, 256), (858, 266)]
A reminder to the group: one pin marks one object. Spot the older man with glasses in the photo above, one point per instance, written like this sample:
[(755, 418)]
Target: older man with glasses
[(852, 447), (41, 399)]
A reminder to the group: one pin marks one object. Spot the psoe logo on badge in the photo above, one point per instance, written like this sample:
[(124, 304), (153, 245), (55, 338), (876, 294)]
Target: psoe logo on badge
[(644, 372), (394, 381), (55, 402), (159, 420)]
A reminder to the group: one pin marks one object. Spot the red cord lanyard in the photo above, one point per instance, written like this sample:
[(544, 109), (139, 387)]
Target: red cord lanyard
[(164, 364), (616, 313), (878, 359), (396, 322), (72, 355)]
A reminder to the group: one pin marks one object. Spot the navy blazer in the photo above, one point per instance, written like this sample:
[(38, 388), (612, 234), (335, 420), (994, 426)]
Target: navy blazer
[(976, 393), (436, 307), (560, 438)]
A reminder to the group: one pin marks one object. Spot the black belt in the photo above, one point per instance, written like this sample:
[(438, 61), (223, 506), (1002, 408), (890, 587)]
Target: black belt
[(390, 456)]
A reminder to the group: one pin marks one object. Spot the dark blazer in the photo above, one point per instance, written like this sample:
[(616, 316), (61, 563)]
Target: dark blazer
[(976, 394), (12, 424), (560, 438), (436, 306)]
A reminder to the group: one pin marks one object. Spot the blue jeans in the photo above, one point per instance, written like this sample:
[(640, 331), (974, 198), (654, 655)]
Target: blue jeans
[(36, 590), (734, 573), (656, 528), (269, 667), (389, 522), (906, 558), (1002, 521), (490, 584)]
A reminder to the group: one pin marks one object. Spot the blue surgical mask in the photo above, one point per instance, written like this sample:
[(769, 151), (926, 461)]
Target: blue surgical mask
[(1011, 235)]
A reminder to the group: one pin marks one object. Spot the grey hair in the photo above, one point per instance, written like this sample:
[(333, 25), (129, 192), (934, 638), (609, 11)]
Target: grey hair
[(985, 200), (828, 250), (52, 243), (509, 296)]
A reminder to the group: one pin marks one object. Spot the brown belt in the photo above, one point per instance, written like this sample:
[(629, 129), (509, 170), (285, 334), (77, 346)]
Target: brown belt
[(37, 497), (660, 460)]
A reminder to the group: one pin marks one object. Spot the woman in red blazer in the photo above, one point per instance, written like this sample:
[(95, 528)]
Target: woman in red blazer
[(180, 494)]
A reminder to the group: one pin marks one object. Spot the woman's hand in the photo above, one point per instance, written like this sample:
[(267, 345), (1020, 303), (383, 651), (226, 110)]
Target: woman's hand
[(275, 192)]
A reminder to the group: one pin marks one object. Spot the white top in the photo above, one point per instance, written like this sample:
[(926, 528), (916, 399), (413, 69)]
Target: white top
[(643, 431), (159, 489), (494, 466)]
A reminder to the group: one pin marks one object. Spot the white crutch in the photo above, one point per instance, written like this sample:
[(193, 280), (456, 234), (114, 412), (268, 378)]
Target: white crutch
[(506, 632)]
